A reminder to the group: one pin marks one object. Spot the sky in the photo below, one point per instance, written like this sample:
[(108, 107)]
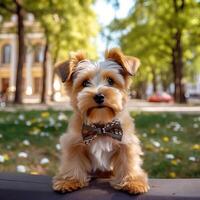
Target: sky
[(106, 13)]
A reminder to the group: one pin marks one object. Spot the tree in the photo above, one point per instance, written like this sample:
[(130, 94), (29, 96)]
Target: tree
[(162, 34), (67, 26)]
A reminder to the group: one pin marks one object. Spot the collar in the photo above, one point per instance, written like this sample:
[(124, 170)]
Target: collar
[(112, 129)]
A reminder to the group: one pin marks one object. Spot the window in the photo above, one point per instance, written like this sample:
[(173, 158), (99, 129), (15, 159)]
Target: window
[(37, 85), (6, 54), (4, 85), (38, 53)]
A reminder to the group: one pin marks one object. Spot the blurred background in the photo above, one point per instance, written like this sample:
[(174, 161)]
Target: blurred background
[(34, 36), (165, 94)]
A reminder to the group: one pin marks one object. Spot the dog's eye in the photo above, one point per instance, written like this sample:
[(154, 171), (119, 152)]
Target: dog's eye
[(110, 81), (86, 83)]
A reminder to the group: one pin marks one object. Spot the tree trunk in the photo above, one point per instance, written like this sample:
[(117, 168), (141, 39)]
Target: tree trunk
[(154, 81), (177, 60), (140, 89), (20, 61), (165, 85), (52, 86), (53, 74), (44, 73), (177, 63)]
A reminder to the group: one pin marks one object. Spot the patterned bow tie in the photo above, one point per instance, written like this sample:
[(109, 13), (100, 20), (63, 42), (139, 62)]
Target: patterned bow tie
[(112, 129)]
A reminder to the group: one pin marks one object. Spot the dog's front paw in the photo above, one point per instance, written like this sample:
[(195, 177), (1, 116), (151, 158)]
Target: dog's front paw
[(67, 185), (133, 186), (136, 187)]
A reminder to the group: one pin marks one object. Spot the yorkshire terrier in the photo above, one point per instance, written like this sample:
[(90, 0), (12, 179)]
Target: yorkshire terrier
[(101, 133)]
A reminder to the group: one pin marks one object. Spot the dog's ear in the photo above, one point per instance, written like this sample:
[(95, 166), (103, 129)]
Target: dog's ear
[(130, 64), (65, 69), (133, 64)]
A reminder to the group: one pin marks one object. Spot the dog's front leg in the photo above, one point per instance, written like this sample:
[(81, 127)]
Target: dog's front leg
[(75, 166), (127, 172)]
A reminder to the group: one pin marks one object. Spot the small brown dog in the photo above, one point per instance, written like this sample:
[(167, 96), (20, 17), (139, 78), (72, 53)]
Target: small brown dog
[(101, 132)]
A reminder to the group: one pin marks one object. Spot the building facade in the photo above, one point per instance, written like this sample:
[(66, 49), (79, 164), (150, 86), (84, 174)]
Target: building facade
[(32, 70)]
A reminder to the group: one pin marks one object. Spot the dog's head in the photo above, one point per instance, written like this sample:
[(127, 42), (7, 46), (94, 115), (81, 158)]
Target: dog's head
[(98, 91)]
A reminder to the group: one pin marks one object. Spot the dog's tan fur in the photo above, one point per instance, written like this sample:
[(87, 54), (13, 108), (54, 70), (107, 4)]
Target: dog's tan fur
[(104, 153)]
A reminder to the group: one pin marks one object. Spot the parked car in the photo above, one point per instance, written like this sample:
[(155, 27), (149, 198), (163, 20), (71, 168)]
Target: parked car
[(161, 97)]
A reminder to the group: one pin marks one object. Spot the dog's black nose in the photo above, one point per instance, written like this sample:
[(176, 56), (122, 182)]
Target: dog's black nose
[(99, 98)]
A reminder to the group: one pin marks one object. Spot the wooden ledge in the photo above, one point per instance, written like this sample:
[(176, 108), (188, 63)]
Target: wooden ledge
[(37, 187)]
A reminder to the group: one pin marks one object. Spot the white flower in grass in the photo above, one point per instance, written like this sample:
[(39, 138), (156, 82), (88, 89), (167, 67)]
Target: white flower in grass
[(169, 156), (195, 125), (175, 140), (21, 117), (62, 117), (2, 159), (28, 123), (144, 135), (22, 155), (157, 125), (51, 121), (175, 126), (21, 168), (1, 135), (35, 131), (26, 142), (44, 161), (155, 143), (58, 147), (44, 134), (192, 158)]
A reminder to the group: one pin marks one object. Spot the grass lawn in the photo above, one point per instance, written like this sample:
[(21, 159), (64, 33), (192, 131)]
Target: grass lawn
[(29, 142)]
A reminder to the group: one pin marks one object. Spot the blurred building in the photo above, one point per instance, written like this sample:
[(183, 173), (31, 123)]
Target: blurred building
[(193, 89), (32, 72)]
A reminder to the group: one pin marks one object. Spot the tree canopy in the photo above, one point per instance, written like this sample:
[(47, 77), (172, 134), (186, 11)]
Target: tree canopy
[(155, 31)]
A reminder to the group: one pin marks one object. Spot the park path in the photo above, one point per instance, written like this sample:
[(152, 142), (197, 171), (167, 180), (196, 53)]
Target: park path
[(133, 105)]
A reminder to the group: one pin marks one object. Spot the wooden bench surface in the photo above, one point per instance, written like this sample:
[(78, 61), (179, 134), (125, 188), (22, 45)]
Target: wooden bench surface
[(38, 187)]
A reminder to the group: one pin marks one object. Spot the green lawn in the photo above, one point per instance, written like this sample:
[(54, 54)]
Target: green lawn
[(29, 142)]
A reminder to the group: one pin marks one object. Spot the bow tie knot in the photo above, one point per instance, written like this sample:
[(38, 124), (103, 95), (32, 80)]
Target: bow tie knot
[(112, 129)]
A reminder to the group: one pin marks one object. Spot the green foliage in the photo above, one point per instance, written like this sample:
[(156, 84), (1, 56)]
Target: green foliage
[(148, 33), (68, 25), (5, 10)]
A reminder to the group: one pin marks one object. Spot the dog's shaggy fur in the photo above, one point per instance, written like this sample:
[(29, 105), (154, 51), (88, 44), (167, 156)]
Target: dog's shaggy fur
[(84, 80)]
